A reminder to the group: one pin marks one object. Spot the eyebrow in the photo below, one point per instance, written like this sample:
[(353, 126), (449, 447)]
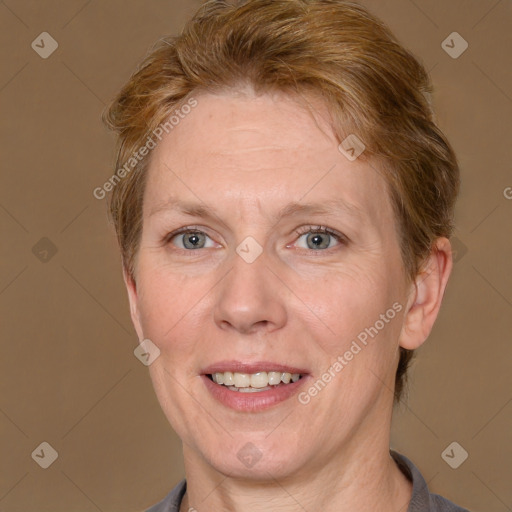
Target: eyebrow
[(330, 207)]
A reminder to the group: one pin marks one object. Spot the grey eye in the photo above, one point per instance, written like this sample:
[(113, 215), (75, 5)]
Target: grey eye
[(191, 240), (315, 240), (318, 240)]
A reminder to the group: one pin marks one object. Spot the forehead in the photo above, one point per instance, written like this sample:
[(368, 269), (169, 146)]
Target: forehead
[(267, 150)]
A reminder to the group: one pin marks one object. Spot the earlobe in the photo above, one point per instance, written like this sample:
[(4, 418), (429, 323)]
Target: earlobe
[(426, 296), (131, 288)]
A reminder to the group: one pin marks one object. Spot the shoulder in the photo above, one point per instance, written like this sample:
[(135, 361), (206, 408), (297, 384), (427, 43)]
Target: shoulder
[(441, 504), (172, 502), (422, 499)]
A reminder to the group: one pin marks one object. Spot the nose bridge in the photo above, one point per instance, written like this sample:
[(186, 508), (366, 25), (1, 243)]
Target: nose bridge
[(247, 298), (247, 268)]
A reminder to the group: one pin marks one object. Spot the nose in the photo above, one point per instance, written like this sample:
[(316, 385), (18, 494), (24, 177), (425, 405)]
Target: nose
[(250, 298)]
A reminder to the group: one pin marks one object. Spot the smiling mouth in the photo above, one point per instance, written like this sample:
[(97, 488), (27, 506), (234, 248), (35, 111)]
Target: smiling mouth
[(254, 382)]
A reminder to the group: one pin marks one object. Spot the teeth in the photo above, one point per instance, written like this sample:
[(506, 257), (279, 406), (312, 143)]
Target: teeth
[(274, 378), (242, 380), (259, 380), (251, 382), (250, 390)]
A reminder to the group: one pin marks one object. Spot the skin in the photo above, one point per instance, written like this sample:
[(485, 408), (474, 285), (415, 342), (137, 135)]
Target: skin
[(247, 157)]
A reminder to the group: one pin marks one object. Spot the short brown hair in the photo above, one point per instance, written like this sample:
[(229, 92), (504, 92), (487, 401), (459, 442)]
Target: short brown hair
[(374, 88)]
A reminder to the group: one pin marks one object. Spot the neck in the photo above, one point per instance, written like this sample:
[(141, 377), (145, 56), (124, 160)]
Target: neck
[(379, 487), (361, 476)]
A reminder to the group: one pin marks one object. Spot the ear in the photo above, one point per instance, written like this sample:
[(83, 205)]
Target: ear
[(133, 298), (426, 295)]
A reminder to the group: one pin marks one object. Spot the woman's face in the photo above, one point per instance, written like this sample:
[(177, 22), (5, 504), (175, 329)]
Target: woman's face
[(250, 285)]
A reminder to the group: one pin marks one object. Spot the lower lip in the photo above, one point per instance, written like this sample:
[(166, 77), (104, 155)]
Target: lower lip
[(252, 402)]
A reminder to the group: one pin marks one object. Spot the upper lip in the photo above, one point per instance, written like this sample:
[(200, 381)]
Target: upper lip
[(250, 367)]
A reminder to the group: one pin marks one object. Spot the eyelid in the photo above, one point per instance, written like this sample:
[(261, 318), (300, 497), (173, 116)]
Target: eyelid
[(319, 229), (185, 229), (340, 237)]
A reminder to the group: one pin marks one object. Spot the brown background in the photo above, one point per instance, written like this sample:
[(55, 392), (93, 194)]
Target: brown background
[(69, 376)]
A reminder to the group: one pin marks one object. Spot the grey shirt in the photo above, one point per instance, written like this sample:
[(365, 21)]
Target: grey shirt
[(422, 500)]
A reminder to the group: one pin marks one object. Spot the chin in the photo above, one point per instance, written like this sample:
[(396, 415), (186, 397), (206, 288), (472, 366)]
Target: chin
[(256, 460), (262, 471)]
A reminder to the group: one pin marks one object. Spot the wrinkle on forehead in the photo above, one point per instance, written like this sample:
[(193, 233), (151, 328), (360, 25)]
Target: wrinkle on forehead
[(232, 150)]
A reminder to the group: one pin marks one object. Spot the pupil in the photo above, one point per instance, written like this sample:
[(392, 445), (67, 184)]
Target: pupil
[(192, 240), (316, 239)]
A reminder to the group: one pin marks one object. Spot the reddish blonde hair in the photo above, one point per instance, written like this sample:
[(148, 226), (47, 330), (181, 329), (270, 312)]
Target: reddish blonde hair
[(337, 50)]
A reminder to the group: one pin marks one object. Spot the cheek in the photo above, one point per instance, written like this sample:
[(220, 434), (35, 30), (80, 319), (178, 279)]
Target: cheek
[(352, 302), (364, 314), (165, 299)]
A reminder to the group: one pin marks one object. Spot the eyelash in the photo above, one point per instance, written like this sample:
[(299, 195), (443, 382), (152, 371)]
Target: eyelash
[(299, 232), (322, 230)]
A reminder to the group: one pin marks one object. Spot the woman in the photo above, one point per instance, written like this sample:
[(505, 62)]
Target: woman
[(283, 205)]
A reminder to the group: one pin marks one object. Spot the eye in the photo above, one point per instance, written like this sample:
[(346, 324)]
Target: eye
[(319, 237), (188, 238), (311, 237)]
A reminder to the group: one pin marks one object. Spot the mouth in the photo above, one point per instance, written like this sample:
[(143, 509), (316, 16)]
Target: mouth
[(252, 387), (254, 382)]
